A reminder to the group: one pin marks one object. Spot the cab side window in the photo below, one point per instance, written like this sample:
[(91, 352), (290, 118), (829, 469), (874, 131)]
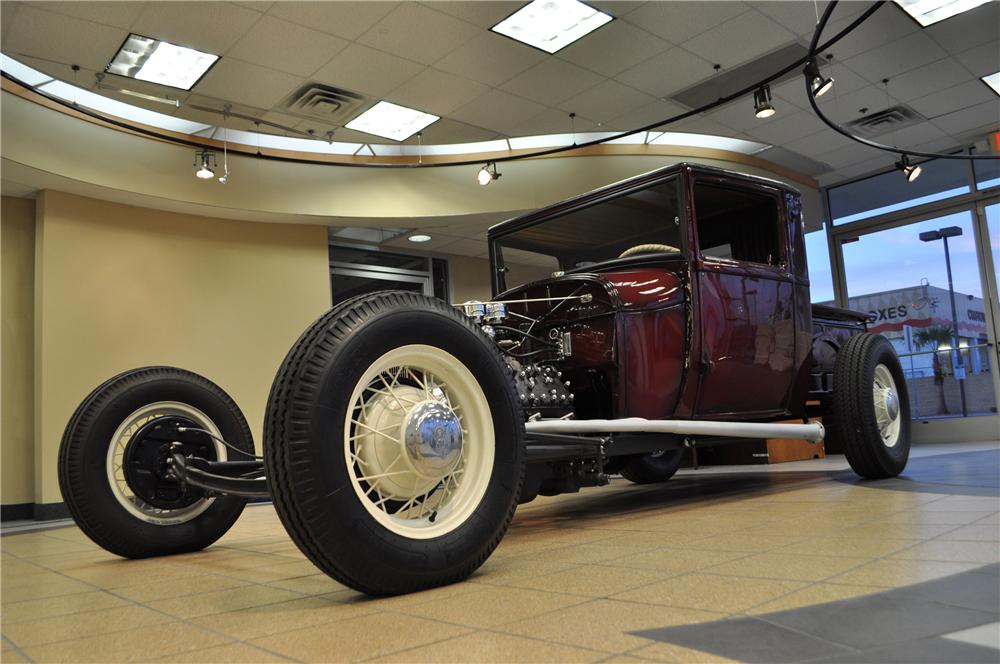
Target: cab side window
[(737, 224)]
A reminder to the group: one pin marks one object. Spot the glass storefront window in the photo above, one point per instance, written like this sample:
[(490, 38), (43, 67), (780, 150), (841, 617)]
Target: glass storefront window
[(987, 173), (993, 228), (890, 191), (901, 282), (820, 274)]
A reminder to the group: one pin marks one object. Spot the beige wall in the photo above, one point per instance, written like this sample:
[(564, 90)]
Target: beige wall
[(470, 277), (119, 287), (17, 264)]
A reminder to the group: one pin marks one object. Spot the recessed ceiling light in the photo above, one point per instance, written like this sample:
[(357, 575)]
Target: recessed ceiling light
[(156, 61), (419, 237), (391, 121), (993, 80), (929, 12), (551, 24)]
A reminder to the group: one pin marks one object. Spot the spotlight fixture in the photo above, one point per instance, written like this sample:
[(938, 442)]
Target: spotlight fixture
[(911, 171), (818, 83), (419, 237), (487, 174), (762, 106), (204, 162)]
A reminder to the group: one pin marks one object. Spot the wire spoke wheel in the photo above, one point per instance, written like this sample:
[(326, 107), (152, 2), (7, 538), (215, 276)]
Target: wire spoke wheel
[(394, 443), (886, 399), (125, 435), (419, 441)]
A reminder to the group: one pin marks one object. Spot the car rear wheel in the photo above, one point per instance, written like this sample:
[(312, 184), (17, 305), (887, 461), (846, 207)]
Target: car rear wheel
[(653, 468), (394, 444), (871, 407)]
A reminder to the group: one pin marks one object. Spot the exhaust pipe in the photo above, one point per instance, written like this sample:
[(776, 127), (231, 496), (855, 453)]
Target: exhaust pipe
[(813, 432)]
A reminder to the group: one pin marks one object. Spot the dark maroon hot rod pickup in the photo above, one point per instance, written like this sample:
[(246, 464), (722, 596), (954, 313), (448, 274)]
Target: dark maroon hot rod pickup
[(401, 432)]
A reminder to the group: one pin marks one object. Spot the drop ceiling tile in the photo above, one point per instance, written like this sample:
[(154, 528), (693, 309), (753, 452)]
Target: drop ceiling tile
[(446, 131), (739, 114), (287, 47), (436, 92), (616, 8), (847, 155), (679, 21), (6, 19), (86, 77), (484, 13), (667, 73), (257, 6), (818, 143), (606, 100), (702, 125), (800, 17), (975, 27), (981, 60), (552, 82), (971, 120), (490, 58), (62, 38), (928, 79), (920, 133), (418, 33), (246, 83), (844, 108), (116, 14), (344, 19), (282, 119), (498, 110), (795, 161), (613, 48), (896, 57), (949, 100), (207, 26), (188, 111), (785, 127), (644, 115), (366, 70), (887, 24), (739, 39), (553, 121)]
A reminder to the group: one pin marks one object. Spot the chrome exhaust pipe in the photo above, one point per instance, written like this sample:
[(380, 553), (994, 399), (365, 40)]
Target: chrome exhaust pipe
[(812, 432)]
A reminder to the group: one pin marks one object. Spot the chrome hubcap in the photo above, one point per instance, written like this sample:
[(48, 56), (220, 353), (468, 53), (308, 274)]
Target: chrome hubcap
[(887, 406), (432, 434)]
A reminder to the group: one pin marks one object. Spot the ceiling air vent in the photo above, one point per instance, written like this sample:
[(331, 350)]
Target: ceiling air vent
[(885, 121), (316, 101)]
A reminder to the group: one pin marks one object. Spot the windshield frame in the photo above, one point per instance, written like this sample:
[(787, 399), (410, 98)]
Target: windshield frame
[(681, 176)]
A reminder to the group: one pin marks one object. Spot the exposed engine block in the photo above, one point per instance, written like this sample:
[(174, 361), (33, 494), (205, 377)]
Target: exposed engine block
[(541, 389)]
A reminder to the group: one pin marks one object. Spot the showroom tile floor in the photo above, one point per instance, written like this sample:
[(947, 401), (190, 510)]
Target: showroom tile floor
[(796, 562)]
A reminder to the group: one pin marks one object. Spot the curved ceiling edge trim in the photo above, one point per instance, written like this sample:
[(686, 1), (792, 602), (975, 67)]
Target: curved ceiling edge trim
[(605, 149)]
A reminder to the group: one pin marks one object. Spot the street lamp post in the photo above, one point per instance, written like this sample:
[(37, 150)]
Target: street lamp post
[(933, 236)]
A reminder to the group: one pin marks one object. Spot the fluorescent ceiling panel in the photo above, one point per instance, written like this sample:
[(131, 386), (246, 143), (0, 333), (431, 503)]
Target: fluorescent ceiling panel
[(929, 12), (391, 121), (993, 80), (161, 62), (550, 25)]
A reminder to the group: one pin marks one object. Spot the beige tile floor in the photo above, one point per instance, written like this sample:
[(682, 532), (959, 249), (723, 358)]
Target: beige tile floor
[(574, 576)]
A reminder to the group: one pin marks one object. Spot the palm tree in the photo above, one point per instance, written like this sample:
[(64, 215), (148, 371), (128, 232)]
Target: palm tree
[(936, 336)]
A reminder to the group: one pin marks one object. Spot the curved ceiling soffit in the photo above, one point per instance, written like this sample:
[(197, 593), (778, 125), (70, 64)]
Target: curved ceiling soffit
[(47, 144)]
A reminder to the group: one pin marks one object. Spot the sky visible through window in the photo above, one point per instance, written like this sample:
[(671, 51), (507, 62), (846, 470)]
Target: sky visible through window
[(897, 258)]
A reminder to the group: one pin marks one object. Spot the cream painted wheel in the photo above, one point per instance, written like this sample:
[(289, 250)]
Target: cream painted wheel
[(887, 409), (394, 443), (418, 441), (116, 455)]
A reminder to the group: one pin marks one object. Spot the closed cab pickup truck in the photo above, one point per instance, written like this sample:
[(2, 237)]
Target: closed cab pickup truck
[(667, 311)]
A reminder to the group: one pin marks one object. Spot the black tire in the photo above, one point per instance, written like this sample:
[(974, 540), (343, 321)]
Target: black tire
[(653, 468), (312, 485), (854, 411), (87, 489)]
